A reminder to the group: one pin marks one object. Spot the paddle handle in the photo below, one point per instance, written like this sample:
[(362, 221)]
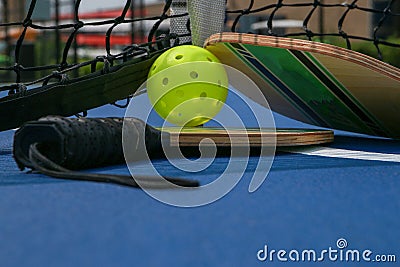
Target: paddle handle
[(81, 143)]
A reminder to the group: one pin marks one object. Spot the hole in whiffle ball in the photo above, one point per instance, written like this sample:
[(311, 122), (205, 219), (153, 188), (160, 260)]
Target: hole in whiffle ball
[(203, 94), (179, 57), (194, 75), (165, 81)]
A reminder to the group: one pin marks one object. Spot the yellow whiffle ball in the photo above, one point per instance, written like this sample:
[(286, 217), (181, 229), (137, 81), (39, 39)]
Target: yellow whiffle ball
[(187, 85)]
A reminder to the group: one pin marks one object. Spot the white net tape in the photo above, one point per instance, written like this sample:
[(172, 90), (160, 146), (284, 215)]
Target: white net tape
[(179, 24), (206, 18)]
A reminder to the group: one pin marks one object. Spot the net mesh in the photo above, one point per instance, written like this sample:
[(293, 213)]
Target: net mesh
[(73, 42), (206, 17), (179, 23)]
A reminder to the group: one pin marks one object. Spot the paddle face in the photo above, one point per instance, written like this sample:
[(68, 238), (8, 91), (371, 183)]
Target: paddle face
[(317, 83), (191, 137)]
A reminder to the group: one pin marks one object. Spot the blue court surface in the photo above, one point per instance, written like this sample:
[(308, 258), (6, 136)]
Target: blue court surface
[(341, 208)]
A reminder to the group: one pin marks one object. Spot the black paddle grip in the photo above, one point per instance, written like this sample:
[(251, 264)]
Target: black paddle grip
[(82, 143)]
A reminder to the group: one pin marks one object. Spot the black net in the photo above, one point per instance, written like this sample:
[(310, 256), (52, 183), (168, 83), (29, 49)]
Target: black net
[(71, 44), (371, 27), (55, 41)]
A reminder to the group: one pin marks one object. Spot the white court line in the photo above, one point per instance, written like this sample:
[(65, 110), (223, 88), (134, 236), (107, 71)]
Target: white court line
[(344, 154)]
